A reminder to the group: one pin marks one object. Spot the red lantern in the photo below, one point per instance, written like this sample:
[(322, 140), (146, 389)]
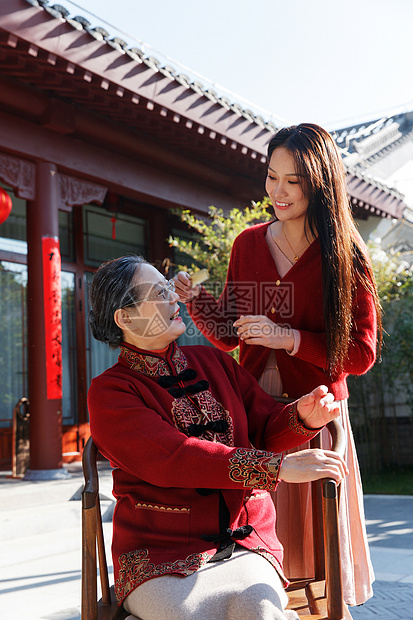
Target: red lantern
[(5, 205)]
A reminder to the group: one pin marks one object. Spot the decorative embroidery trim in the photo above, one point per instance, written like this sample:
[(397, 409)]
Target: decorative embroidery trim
[(146, 364), (274, 464), (135, 568), (151, 365), (162, 508), (251, 468), (295, 425), (185, 413), (179, 360)]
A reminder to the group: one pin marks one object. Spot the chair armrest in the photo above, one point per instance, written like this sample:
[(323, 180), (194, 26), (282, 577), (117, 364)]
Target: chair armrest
[(338, 437), (91, 488)]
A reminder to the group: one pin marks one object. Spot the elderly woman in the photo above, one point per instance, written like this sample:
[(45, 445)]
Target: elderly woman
[(196, 446)]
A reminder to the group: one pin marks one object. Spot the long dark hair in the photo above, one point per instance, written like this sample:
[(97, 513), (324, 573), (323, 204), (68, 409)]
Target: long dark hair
[(329, 217)]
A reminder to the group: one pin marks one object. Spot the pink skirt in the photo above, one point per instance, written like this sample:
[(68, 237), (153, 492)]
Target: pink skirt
[(294, 524)]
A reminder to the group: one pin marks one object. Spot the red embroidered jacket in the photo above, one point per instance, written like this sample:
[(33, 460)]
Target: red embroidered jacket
[(254, 286), (185, 432)]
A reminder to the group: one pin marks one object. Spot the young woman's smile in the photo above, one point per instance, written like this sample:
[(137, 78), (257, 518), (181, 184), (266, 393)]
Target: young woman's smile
[(284, 186), (282, 205)]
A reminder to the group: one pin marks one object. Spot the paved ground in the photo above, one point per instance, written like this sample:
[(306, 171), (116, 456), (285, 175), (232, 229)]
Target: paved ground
[(41, 540), (390, 531)]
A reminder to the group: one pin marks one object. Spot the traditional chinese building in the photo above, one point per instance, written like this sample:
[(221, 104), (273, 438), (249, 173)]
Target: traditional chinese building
[(383, 149), (98, 143)]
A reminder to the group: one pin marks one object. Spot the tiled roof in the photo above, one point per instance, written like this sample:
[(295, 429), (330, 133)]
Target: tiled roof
[(139, 55), (127, 84), (368, 142), (369, 178)]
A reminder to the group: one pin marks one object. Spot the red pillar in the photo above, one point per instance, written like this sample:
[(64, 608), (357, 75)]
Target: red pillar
[(43, 310)]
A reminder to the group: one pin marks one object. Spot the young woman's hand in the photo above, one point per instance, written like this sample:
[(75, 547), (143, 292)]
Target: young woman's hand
[(317, 408), (259, 329), (312, 464), (183, 287)]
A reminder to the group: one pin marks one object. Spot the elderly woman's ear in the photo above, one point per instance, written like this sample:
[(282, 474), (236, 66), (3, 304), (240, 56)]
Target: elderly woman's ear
[(122, 318)]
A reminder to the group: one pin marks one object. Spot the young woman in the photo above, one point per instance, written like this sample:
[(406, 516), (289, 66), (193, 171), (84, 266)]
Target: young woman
[(301, 302), (196, 446)]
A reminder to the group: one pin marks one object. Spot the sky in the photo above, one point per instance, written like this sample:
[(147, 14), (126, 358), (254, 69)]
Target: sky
[(331, 62)]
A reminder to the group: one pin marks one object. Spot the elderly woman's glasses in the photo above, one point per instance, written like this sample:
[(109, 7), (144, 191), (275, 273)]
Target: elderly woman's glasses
[(163, 292)]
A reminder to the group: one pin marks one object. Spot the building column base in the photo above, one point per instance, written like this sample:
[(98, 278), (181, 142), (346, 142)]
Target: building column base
[(47, 474)]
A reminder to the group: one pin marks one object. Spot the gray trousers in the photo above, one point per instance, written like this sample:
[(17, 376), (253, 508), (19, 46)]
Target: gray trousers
[(244, 586)]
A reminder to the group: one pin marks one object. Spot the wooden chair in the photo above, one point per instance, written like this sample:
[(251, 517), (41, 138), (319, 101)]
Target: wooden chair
[(92, 539), (313, 599), (321, 597)]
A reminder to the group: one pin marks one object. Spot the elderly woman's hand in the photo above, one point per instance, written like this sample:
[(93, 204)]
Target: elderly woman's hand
[(312, 464), (184, 288), (317, 408)]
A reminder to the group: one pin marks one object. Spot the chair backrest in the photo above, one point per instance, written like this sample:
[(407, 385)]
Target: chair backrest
[(326, 539), (328, 521), (92, 540)]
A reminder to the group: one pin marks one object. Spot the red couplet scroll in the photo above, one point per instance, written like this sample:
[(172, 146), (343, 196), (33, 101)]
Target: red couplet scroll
[(52, 315)]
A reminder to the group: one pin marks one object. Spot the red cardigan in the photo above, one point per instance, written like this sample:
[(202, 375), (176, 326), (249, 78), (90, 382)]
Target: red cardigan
[(254, 286), (169, 479)]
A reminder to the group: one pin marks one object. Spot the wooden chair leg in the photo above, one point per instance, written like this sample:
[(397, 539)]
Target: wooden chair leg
[(93, 548), (335, 607), (89, 607), (318, 527), (103, 567), (322, 598)]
